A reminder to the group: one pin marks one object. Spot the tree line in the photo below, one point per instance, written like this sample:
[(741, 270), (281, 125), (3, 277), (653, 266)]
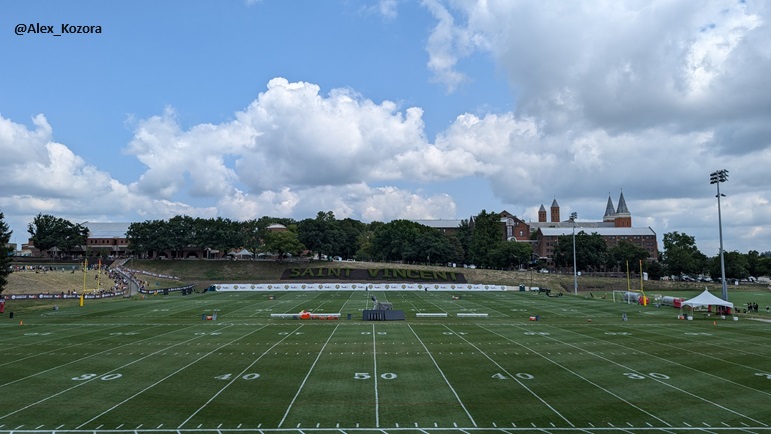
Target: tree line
[(477, 241)]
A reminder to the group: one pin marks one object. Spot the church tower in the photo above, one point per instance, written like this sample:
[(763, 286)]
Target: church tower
[(623, 218), (542, 214), (610, 212), (555, 212)]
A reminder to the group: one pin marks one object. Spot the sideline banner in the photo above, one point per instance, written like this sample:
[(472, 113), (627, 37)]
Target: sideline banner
[(362, 286)]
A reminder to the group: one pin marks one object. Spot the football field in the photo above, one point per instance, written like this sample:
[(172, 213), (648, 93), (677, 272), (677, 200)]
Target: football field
[(157, 365)]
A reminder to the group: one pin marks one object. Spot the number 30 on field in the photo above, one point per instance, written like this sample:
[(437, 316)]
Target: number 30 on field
[(106, 377)]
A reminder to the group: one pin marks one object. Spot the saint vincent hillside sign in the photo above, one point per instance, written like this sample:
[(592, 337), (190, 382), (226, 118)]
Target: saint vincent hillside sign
[(372, 274)]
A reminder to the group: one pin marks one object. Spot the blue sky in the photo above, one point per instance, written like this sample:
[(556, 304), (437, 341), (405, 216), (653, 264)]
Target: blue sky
[(389, 109)]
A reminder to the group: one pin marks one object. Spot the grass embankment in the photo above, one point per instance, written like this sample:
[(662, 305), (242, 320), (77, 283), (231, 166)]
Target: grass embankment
[(204, 273), (56, 282)]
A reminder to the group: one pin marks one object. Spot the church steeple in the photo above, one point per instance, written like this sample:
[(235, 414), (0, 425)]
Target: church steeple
[(623, 218), (610, 212), (555, 211), (542, 214)]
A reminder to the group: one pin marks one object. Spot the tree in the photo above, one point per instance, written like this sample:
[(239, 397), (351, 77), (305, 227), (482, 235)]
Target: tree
[(48, 232), (393, 241), (281, 243), (509, 254), (463, 235), (350, 232), (433, 247), (486, 237), (321, 235), (736, 266), (178, 234), (681, 256), (44, 231), (5, 252), (626, 253), (146, 237), (591, 251)]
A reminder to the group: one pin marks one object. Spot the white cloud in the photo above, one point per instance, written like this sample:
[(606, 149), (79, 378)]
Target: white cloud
[(647, 96), (447, 44)]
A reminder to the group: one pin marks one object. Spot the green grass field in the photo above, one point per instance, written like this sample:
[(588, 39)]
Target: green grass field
[(153, 365)]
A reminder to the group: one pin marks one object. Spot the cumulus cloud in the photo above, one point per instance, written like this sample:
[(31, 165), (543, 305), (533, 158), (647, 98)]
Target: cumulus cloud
[(646, 96)]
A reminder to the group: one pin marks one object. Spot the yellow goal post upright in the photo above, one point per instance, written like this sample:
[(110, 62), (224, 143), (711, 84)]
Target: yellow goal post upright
[(83, 292), (98, 280), (630, 295)]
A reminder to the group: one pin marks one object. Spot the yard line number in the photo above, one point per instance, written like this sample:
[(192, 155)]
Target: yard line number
[(520, 375), (250, 376), (367, 375), (636, 376), (106, 377)]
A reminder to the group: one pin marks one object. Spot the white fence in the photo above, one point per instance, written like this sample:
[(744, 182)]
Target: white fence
[(244, 287)]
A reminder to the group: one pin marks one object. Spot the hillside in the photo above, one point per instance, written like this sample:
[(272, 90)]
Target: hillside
[(205, 273)]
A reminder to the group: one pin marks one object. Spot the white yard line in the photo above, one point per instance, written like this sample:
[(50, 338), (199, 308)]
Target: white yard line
[(374, 362), (436, 365), (513, 377), (166, 378), (346, 301), (321, 351), (237, 377)]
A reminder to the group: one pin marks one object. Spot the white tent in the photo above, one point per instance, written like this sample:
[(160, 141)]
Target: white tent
[(707, 299), (243, 254)]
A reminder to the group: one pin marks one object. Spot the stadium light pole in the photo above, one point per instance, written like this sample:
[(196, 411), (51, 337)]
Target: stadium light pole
[(573, 217), (717, 178)]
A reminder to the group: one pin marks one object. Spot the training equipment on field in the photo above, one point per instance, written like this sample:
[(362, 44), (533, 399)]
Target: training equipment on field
[(675, 302), (304, 314), (382, 311)]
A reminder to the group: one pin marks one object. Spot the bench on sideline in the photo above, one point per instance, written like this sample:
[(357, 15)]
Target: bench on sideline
[(431, 315)]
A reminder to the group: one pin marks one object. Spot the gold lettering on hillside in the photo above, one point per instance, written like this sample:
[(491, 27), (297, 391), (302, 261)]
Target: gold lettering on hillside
[(370, 274)]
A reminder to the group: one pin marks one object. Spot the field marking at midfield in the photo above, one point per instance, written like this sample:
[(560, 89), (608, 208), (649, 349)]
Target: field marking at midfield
[(165, 378), (374, 370), (431, 356), (69, 346), (98, 376), (513, 377), (237, 377), (578, 375), (679, 389), (302, 385), (85, 358)]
